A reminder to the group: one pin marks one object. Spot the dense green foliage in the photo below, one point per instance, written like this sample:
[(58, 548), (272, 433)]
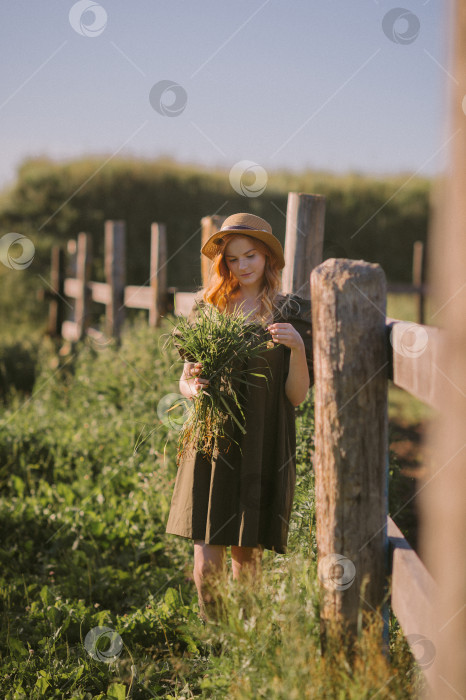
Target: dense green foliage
[(87, 467), (366, 218)]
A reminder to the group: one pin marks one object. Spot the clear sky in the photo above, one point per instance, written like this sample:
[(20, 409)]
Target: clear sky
[(333, 85)]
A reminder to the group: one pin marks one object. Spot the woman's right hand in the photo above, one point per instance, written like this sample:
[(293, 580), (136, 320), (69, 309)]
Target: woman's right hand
[(192, 369)]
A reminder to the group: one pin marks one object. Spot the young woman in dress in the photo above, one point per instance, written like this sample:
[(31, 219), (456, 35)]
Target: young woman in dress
[(244, 499)]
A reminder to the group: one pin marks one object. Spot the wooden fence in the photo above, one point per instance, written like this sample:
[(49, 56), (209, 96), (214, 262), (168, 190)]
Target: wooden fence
[(113, 293), (72, 295), (363, 557)]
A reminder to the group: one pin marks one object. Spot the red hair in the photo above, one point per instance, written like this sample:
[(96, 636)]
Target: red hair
[(221, 284)]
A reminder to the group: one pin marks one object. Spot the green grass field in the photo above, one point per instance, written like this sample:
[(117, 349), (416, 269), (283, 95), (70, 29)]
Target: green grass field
[(86, 473)]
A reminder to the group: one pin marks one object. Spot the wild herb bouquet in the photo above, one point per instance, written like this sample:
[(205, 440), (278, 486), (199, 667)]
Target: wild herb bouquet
[(222, 343)]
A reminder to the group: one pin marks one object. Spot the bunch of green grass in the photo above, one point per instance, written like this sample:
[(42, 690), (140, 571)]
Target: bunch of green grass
[(222, 343)]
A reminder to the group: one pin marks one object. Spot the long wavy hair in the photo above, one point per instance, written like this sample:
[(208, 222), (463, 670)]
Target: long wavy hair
[(222, 285)]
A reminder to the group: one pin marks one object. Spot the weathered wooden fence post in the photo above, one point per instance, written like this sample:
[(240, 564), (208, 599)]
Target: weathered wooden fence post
[(115, 276), (348, 300), (209, 224), (56, 293), (72, 254), (418, 278), (158, 273), (304, 238), (443, 497), (83, 276)]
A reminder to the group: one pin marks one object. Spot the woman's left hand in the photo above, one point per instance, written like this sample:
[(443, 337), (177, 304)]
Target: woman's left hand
[(287, 335)]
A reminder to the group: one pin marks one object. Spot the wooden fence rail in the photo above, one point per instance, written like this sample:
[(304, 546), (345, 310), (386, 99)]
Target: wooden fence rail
[(413, 592), (414, 350)]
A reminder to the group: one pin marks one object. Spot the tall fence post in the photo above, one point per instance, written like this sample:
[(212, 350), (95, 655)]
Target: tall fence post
[(209, 224), (304, 239), (83, 275), (56, 293), (442, 498), (158, 273), (72, 255), (348, 299), (115, 276), (418, 278)]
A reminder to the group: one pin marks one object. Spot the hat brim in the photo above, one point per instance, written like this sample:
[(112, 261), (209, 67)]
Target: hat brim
[(212, 242)]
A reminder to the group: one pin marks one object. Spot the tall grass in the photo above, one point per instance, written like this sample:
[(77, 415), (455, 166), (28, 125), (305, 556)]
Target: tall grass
[(87, 469)]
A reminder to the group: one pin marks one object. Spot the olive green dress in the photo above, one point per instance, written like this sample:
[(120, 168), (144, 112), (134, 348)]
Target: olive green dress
[(245, 497)]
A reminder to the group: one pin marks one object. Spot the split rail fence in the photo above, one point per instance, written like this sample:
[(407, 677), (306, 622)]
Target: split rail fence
[(72, 290)]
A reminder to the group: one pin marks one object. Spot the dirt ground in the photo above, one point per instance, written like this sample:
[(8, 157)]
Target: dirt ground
[(407, 449)]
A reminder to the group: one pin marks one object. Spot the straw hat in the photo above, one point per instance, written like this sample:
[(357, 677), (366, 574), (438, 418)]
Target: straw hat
[(248, 225)]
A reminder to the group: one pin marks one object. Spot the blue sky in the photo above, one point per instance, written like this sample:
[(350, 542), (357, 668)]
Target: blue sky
[(301, 84)]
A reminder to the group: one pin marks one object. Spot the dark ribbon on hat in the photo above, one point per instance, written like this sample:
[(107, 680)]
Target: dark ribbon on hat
[(235, 228)]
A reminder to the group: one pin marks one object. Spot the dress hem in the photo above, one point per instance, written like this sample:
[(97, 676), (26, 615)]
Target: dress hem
[(272, 548)]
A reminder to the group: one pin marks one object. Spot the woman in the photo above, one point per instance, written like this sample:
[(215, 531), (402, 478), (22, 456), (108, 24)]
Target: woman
[(243, 498)]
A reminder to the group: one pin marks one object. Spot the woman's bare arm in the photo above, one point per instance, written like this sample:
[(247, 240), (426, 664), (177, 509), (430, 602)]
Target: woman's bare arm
[(298, 381)]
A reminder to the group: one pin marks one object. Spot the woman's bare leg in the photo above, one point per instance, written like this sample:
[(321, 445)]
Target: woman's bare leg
[(209, 561), (246, 558), (247, 565)]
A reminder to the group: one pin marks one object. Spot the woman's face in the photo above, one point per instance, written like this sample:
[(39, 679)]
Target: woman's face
[(245, 261)]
